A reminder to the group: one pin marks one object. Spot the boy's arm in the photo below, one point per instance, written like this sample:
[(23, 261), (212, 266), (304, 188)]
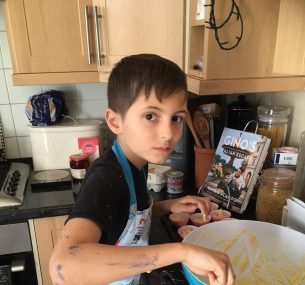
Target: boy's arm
[(187, 204), (78, 258)]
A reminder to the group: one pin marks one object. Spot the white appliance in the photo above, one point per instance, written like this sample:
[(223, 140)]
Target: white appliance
[(53, 145)]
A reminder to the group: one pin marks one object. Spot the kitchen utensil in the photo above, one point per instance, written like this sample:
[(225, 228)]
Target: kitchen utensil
[(203, 160), (212, 134), (189, 122), (270, 252), (202, 127)]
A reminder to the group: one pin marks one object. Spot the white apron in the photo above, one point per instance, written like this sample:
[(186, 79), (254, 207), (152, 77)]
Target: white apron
[(137, 229)]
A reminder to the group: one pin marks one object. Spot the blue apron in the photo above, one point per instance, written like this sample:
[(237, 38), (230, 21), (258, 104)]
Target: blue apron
[(136, 232)]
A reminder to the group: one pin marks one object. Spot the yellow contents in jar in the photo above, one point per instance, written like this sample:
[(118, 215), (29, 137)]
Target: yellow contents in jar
[(275, 189), (270, 204), (277, 134)]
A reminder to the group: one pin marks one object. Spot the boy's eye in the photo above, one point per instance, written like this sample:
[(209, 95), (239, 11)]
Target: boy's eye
[(150, 117), (178, 119)]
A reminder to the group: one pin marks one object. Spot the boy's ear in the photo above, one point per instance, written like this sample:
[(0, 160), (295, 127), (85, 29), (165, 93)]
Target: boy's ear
[(114, 121)]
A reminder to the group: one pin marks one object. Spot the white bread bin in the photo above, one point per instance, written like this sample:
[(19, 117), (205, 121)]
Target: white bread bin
[(53, 145)]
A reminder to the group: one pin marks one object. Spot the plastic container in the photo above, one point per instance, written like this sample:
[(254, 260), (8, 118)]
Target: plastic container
[(199, 220), (275, 188), (185, 230), (175, 182), (273, 123), (179, 219), (299, 183), (156, 178), (53, 145), (218, 215)]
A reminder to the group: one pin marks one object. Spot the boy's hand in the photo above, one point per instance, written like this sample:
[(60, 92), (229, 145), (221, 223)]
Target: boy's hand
[(189, 204), (207, 262)]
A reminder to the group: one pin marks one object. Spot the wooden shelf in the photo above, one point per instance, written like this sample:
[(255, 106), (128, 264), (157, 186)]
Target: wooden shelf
[(203, 87)]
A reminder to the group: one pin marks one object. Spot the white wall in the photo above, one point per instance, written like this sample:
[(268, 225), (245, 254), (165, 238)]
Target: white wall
[(84, 101)]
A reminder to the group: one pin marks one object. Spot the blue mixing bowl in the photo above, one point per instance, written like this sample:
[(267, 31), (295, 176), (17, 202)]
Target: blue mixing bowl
[(190, 277)]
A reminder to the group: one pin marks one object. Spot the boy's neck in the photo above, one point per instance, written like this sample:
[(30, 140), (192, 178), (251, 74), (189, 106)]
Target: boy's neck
[(133, 159)]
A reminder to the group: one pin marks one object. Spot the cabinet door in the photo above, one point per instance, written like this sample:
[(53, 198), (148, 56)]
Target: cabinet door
[(141, 26), (47, 231), (290, 39), (252, 57), (49, 35)]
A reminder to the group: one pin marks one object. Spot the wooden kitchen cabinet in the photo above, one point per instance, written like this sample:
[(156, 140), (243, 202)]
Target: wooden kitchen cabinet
[(72, 41), (290, 39), (249, 66), (44, 234)]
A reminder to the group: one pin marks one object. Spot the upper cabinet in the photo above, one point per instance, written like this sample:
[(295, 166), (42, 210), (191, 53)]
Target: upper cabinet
[(290, 40), (236, 43), (72, 41)]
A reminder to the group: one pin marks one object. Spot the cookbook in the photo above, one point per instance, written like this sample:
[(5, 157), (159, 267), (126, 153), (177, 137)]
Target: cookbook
[(233, 173)]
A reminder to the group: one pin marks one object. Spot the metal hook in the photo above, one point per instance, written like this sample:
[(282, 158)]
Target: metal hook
[(220, 180), (248, 123)]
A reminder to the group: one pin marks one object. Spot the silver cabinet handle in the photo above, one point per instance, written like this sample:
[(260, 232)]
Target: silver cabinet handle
[(88, 34), (100, 54)]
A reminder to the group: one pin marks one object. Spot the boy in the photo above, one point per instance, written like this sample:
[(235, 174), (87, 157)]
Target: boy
[(105, 238)]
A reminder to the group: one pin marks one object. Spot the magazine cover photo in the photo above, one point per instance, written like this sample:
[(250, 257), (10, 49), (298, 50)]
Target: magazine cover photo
[(234, 170)]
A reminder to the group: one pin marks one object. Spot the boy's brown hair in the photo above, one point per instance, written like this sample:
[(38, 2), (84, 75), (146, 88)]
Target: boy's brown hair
[(143, 72)]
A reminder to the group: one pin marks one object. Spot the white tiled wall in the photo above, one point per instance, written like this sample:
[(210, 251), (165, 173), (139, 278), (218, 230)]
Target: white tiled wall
[(84, 101)]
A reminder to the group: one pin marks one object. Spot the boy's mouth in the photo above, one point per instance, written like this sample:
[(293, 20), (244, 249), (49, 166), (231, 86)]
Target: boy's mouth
[(163, 149)]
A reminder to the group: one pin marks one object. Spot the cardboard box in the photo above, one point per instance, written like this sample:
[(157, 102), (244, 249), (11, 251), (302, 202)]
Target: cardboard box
[(284, 158), (156, 179)]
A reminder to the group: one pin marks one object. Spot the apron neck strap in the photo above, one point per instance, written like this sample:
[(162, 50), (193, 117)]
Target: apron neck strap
[(120, 155)]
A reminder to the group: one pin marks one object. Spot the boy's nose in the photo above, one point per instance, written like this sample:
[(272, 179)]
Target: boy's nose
[(166, 131)]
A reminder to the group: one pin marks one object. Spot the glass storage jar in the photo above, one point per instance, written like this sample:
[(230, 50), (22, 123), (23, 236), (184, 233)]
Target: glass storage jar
[(78, 165), (275, 188), (273, 123)]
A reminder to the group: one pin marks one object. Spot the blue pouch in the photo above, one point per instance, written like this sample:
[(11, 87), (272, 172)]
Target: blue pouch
[(46, 108)]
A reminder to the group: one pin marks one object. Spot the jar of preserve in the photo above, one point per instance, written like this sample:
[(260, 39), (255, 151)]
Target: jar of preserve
[(276, 186), (78, 165), (273, 123)]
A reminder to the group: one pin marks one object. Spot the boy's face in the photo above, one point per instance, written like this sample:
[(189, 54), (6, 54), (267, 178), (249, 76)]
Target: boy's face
[(151, 129)]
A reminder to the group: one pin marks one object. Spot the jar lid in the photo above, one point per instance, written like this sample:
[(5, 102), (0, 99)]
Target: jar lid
[(241, 105), (273, 111), (278, 177), (79, 156), (174, 173)]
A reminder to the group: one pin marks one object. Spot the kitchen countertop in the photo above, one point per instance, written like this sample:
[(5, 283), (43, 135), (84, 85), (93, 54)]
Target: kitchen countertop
[(60, 202), (51, 203), (39, 205)]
